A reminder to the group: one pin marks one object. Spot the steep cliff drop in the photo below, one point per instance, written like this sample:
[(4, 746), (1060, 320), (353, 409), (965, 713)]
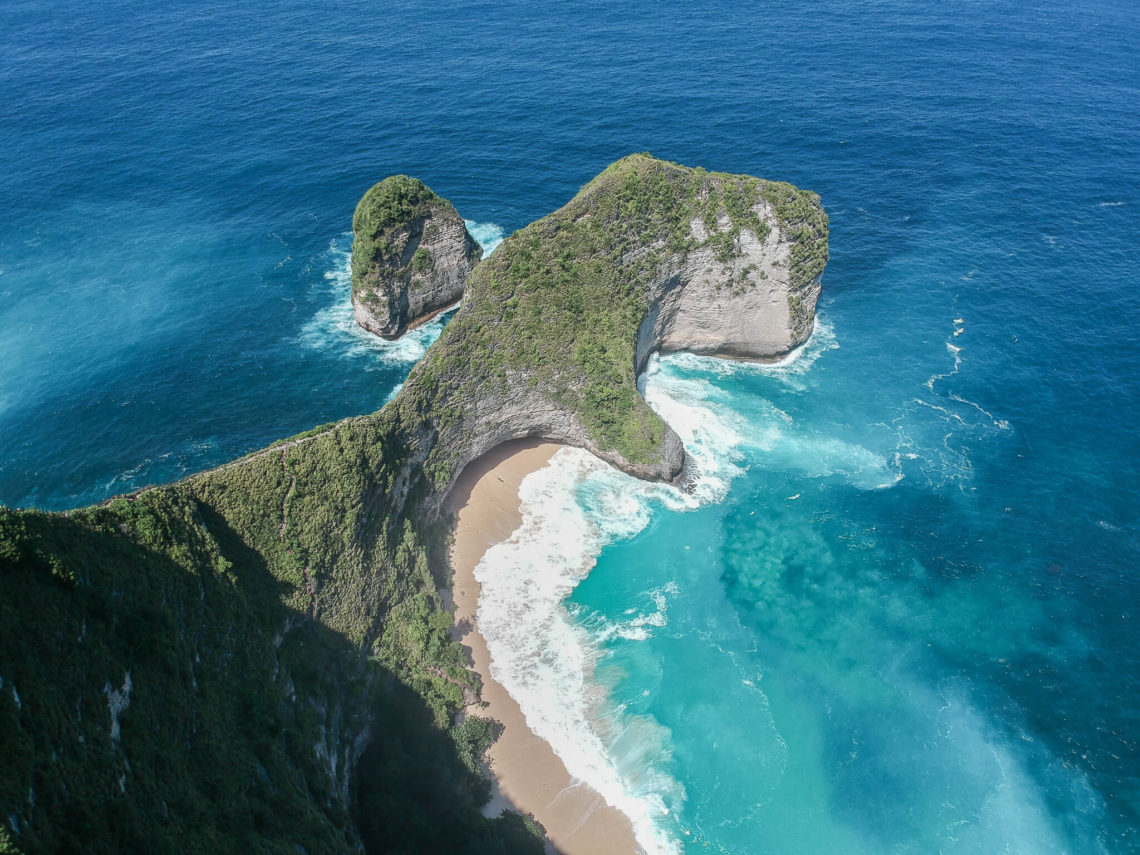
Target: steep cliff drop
[(411, 256)]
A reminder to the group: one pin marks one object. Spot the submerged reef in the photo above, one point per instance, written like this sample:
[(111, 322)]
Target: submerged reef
[(257, 657)]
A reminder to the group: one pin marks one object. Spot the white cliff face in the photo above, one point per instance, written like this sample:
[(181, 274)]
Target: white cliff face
[(435, 255), (745, 308)]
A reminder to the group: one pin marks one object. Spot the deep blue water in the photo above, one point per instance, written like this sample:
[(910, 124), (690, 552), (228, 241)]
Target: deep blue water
[(948, 663)]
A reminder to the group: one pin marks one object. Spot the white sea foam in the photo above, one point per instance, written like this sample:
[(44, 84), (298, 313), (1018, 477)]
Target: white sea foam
[(639, 624), (789, 369), (955, 351), (334, 327), (489, 235), (942, 446), (570, 511), (766, 429), (1000, 424), (829, 457), (129, 478), (179, 461)]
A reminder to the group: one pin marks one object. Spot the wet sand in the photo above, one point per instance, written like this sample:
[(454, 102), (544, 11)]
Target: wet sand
[(529, 776)]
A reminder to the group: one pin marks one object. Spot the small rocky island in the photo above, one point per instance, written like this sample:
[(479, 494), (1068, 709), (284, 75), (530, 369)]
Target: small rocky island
[(257, 657), (411, 256)]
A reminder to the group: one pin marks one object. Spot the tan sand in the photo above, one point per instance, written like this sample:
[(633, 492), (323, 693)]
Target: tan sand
[(529, 776)]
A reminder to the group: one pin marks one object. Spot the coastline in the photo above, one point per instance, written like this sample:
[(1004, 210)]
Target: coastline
[(528, 775)]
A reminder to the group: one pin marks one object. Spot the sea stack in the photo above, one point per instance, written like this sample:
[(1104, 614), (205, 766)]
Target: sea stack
[(411, 256)]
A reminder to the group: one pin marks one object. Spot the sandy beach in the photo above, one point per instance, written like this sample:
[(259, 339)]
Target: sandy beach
[(529, 776)]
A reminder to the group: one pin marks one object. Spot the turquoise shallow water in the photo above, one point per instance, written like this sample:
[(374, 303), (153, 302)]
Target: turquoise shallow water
[(828, 684), (933, 646)]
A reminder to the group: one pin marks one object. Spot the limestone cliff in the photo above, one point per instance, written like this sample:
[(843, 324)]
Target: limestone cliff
[(741, 305), (411, 256)]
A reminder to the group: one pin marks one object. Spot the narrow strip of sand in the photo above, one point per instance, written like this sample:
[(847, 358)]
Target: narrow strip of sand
[(529, 776)]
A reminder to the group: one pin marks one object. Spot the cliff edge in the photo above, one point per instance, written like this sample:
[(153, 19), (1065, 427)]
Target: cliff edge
[(411, 255)]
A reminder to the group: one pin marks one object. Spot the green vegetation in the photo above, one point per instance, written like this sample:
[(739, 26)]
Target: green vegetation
[(382, 212), (562, 299), (275, 617), (7, 847), (256, 659), (421, 261), (804, 223)]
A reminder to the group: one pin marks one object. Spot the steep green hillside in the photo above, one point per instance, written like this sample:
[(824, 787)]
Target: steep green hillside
[(202, 667)]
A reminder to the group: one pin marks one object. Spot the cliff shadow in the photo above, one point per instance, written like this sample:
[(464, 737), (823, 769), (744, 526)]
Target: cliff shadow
[(474, 471), (168, 700)]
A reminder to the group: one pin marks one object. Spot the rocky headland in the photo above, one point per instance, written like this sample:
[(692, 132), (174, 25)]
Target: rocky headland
[(257, 657), (558, 323)]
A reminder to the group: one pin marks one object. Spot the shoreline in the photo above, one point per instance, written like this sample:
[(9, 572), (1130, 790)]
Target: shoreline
[(528, 776)]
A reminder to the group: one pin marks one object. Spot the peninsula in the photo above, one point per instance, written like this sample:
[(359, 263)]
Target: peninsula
[(258, 657)]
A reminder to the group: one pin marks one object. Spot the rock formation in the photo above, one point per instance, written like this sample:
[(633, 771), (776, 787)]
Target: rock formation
[(411, 256), (560, 320), (744, 307)]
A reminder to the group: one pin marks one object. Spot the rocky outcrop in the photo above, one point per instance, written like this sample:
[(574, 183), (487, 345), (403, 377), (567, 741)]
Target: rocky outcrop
[(411, 256), (746, 307), (649, 256)]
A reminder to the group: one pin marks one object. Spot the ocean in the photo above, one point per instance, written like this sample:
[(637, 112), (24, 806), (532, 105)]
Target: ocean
[(897, 610)]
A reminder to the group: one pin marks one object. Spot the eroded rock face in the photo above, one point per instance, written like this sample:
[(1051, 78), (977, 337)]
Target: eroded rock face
[(745, 308), (411, 256)]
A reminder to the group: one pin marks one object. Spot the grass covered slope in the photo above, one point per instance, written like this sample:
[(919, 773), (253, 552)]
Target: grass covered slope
[(257, 658)]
